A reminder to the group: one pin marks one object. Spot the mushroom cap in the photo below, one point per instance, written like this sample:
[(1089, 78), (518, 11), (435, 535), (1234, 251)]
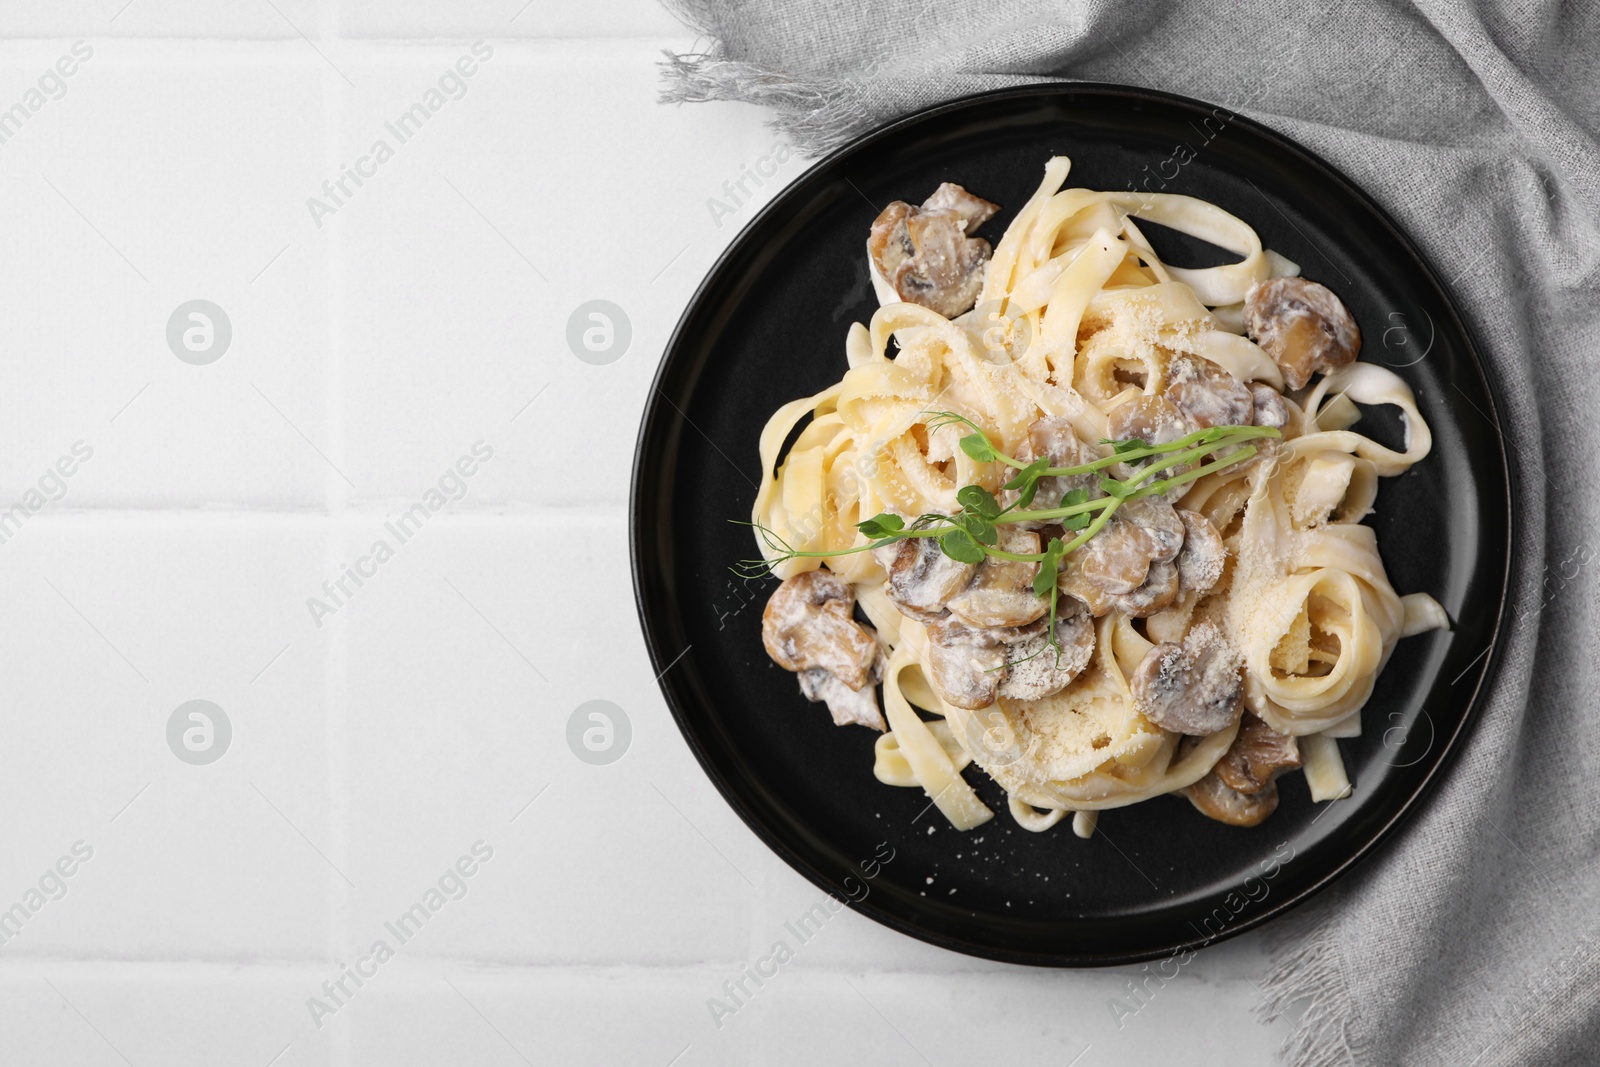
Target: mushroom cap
[(807, 625), (1192, 688), (1269, 407), (1157, 522), (1204, 555), (921, 577), (845, 704), (1155, 420), (924, 252), (1053, 437), (1302, 325), (1160, 589), (1208, 394), (1213, 797), (1118, 560), (973, 211), (1001, 592), (1034, 671), (966, 661), (1107, 566), (1258, 754), (945, 272)]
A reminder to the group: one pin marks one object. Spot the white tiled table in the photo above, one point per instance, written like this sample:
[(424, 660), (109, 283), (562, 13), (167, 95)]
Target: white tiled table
[(371, 752)]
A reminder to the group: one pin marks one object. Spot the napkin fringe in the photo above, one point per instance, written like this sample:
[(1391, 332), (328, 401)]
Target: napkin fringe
[(1306, 969), (816, 114)]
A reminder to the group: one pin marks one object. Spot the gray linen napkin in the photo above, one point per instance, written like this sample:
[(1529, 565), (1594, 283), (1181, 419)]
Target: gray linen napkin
[(1471, 939)]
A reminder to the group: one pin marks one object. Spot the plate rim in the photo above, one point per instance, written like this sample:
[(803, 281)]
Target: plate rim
[(662, 660)]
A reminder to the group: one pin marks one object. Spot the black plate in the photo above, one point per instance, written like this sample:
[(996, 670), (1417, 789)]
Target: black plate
[(768, 325)]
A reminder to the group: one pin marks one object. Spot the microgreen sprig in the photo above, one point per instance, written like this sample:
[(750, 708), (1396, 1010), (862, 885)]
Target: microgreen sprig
[(971, 535)]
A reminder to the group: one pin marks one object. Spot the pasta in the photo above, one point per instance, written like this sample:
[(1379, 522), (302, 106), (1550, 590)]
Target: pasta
[(1080, 330)]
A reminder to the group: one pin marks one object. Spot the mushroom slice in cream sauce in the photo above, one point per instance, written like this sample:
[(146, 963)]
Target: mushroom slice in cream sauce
[(921, 577), (967, 661), (1203, 556), (1159, 590), (1034, 670), (1269, 408), (1257, 755), (926, 254), (1193, 688), (972, 665), (1155, 420), (1215, 800), (1054, 438), (1207, 394), (807, 628), (1001, 591), (1118, 560), (1302, 325), (1241, 789), (847, 705)]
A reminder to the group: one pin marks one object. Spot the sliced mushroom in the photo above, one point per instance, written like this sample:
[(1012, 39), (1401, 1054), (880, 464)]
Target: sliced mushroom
[(1270, 409), (1111, 564), (1302, 325), (967, 662), (924, 252), (1074, 583), (807, 625), (847, 705), (1034, 670), (1258, 754), (1207, 394), (1155, 420), (1194, 688), (921, 577), (1241, 789), (1215, 800), (1160, 589), (1204, 555), (1156, 522), (1055, 438), (1001, 592), (974, 211), (1118, 560)]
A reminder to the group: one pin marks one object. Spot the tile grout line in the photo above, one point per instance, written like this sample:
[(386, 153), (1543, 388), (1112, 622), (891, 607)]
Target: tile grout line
[(336, 684), (444, 42), (617, 968), (367, 512)]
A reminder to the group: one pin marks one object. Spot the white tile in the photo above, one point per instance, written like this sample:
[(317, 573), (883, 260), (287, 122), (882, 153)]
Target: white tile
[(539, 190), (426, 1015), (508, 18), (468, 653), (802, 1015), (167, 18), (133, 617), (158, 179), (144, 1014)]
